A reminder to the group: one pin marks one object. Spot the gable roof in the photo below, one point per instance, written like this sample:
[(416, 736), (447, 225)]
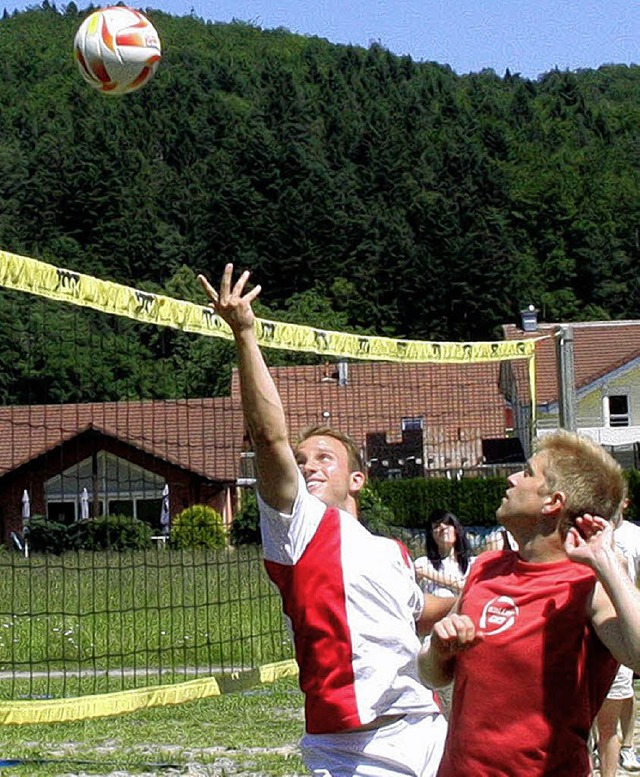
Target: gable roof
[(599, 347), (457, 402), (378, 395), (178, 431)]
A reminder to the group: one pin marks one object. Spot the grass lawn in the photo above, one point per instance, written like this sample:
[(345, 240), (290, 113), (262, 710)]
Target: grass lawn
[(254, 732), (87, 616)]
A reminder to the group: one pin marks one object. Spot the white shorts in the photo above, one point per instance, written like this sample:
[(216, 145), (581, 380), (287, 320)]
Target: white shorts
[(622, 685), (411, 747)]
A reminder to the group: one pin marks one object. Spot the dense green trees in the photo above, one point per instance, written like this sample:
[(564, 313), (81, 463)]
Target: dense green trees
[(365, 191)]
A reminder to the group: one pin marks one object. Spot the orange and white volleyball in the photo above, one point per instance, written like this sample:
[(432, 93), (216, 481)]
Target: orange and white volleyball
[(117, 50)]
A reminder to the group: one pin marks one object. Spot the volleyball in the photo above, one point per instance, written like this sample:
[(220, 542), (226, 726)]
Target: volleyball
[(117, 50)]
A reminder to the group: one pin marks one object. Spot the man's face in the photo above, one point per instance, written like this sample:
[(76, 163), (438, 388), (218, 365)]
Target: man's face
[(527, 492), (324, 464)]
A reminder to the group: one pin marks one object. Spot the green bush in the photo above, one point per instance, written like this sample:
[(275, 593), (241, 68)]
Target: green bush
[(198, 526), (633, 478), (245, 529), (477, 499), (110, 532), (374, 514), (473, 500), (46, 536), (387, 505)]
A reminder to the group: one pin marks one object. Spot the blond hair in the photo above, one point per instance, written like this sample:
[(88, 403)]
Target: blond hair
[(356, 464), (589, 477)]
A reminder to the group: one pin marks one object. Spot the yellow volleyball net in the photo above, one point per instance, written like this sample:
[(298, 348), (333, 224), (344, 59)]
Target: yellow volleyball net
[(123, 437)]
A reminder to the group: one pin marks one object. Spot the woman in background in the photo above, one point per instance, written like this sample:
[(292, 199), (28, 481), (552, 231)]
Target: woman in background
[(443, 571)]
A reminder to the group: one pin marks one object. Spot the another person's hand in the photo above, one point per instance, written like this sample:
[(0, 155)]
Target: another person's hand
[(231, 303), (589, 540)]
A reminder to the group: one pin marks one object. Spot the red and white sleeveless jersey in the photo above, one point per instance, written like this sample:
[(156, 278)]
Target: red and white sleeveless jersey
[(352, 600)]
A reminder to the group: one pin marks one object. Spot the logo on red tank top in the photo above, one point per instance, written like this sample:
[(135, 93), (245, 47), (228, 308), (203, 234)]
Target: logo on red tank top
[(498, 615)]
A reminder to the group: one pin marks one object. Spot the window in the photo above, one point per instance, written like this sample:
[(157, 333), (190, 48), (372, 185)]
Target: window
[(121, 507), (247, 476), (412, 424), (123, 488), (617, 410), (61, 512), (149, 511)]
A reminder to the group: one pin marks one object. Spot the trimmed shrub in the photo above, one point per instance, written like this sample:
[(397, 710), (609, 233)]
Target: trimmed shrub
[(387, 505), (110, 532), (198, 526), (373, 514), (46, 536), (477, 499)]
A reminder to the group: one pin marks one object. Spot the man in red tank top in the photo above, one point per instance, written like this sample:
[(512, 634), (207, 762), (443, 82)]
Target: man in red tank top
[(537, 635)]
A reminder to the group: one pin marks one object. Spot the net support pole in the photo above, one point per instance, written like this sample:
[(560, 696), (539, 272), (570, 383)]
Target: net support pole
[(566, 378)]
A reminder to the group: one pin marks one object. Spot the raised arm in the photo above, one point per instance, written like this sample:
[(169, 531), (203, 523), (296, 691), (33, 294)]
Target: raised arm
[(277, 471), (615, 605)]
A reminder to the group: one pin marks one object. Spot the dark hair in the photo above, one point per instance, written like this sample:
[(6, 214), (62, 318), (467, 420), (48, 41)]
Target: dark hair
[(461, 550)]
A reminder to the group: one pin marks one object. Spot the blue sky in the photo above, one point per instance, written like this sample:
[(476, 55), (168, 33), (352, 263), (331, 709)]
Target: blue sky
[(527, 36)]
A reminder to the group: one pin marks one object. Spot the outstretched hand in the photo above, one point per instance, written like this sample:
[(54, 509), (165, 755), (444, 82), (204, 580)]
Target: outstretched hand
[(589, 539), (231, 303)]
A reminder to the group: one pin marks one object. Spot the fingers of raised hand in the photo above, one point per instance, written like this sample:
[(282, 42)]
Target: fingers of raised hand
[(251, 295), (589, 525), (240, 284), (225, 283), (209, 290), (236, 295), (230, 299)]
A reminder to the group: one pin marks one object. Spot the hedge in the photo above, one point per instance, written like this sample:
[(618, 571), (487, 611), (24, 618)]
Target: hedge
[(473, 500)]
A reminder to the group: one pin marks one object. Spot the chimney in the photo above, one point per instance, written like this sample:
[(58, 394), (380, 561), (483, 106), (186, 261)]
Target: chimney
[(529, 318), (343, 373)]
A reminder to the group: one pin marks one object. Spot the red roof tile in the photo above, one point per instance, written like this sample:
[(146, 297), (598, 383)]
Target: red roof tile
[(599, 347), (459, 405), (179, 431)]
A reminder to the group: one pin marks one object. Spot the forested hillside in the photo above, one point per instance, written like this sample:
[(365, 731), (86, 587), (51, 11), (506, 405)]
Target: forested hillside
[(364, 190)]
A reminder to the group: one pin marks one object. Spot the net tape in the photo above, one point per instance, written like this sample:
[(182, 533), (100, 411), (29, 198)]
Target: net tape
[(24, 274)]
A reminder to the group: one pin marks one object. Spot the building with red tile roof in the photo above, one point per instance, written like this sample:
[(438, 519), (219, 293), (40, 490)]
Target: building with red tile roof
[(122, 452), (606, 368), (409, 420)]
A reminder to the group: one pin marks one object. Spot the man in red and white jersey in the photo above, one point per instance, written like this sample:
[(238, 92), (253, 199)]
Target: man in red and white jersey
[(537, 634), (351, 597)]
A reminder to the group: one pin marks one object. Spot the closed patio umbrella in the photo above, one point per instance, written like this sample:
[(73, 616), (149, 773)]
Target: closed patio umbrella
[(26, 517), (84, 505), (165, 515)]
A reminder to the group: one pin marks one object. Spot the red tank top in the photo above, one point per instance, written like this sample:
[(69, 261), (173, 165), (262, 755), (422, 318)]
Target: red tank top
[(526, 695)]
